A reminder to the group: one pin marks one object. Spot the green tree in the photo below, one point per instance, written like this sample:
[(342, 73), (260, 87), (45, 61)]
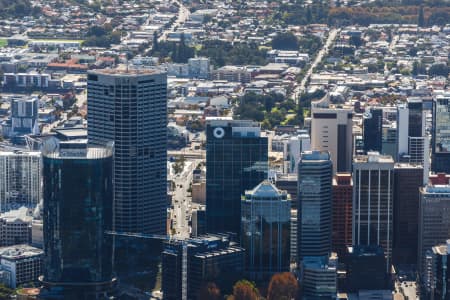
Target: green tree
[(285, 41), (439, 69)]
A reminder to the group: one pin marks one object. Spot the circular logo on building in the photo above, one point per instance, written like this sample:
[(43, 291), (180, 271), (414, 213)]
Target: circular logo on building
[(219, 132)]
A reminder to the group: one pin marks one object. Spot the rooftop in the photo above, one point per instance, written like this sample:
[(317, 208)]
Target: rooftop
[(19, 252)]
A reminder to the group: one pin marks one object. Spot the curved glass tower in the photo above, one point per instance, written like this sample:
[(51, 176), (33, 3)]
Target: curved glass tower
[(77, 212)]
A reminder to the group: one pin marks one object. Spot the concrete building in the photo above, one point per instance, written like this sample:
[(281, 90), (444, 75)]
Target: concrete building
[(236, 161), (342, 212), (292, 150), (373, 190), (232, 74), (23, 118), (319, 278), (331, 130), (129, 108), (315, 204), (434, 220), (199, 67), (21, 263), (294, 235), (15, 227), (288, 183), (188, 265), (20, 183), (265, 230)]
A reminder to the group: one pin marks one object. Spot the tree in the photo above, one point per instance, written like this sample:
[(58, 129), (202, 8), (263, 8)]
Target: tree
[(210, 291), (285, 41), (282, 286), (438, 70), (155, 41), (244, 290), (420, 18)]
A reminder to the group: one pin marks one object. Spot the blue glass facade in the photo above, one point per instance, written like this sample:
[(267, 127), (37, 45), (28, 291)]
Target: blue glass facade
[(236, 160), (77, 212)]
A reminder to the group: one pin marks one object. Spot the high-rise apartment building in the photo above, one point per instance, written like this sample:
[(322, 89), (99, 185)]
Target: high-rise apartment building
[(129, 108), (342, 212), (265, 235), (441, 134), (373, 130), (315, 173), (20, 180), (434, 220), (24, 117), (78, 209), (373, 190), (331, 130), (407, 181), (236, 161)]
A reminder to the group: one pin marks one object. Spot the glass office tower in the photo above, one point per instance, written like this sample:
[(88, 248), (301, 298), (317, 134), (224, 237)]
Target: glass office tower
[(77, 211), (315, 217), (130, 108), (236, 160), (441, 134), (266, 216)]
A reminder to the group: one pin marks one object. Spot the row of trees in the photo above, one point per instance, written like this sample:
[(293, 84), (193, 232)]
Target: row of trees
[(440, 69), (102, 36), (282, 286), (17, 9), (365, 15)]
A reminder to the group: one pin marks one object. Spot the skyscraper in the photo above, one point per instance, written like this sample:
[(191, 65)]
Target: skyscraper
[(315, 174), (20, 179), (373, 190), (342, 212), (236, 161), (407, 181), (331, 130), (441, 134), (129, 108), (434, 219), (439, 268), (266, 216), (373, 130), (77, 212)]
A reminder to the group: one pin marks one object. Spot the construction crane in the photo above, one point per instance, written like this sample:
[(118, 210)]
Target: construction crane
[(164, 238)]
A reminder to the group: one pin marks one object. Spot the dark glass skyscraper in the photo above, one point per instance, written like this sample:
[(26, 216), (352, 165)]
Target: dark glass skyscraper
[(77, 211), (407, 181), (441, 134), (236, 160), (129, 108), (315, 173), (373, 130)]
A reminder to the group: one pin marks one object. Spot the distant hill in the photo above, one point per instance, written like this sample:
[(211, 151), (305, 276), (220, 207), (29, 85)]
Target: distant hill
[(16, 8)]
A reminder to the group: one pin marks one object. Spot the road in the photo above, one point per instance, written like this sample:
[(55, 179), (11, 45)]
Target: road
[(182, 202), (183, 14), (326, 47), (407, 289)]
